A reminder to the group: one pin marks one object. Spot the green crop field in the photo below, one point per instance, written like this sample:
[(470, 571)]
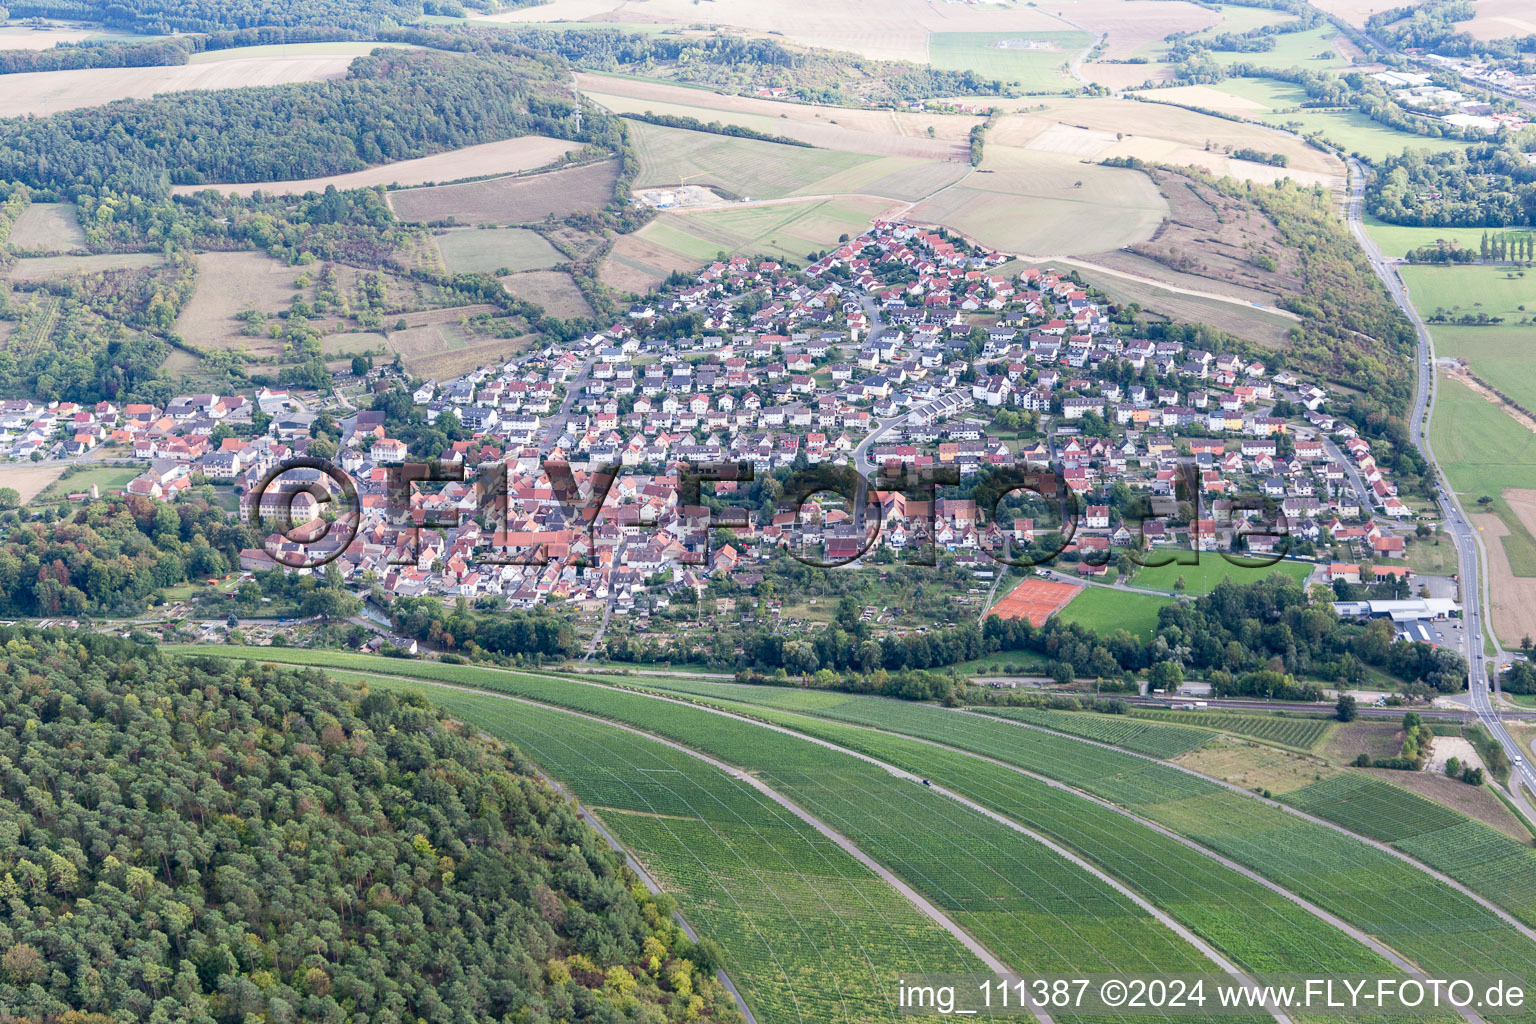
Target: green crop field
[(1212, 569), (106, 478), (744, 167), (1106, 610), (1037, 61), (1498, 291), (1485, 451), (1312, 50), (807, 929), (472, 251), (1354, 132), (1300, 733), (1479, 856), (1504, 356), (1396, 240), (787, 230), (1135, 734), (1034, 910)]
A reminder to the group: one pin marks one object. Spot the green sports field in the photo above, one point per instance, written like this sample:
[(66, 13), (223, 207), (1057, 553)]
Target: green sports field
[(1105, 610), (1212, 569)]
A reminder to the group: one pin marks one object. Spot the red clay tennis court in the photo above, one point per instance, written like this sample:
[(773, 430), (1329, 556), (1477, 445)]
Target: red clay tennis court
[(1035, 600)]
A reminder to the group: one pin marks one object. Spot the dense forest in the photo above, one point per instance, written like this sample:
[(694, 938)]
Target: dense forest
[(1491, 185), (111, 556), (1432, 26), (736, 64), (220, 843), (1254, 639), (393, 105)]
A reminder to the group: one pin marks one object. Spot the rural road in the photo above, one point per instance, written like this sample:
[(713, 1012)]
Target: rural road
[(1476, 599)]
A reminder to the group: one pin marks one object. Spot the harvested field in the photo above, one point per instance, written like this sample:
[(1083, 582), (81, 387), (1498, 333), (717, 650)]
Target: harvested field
[(227, 284), (509, 156), (41, 268), (1356, 11), (1036, 600), (511, 200), (471, 251), (830, 128), (552, 289), (1117, 77), (1513, 597), (47, 227), (20, 37), (636, 265), (1500, 19), (778, 116), (1211, 99), (29, 481), (47, 92), (902, 31), (1131, 25), (1188, 128), (1048, 204)]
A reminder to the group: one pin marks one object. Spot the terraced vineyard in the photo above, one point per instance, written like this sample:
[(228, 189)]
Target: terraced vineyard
[(1025, 904), (1117, 730), (1300, 733), (1487, 860), (1033, 909), (809, 933)]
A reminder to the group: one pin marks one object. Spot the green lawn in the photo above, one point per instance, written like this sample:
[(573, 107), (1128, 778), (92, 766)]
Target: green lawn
[(1105, 610), (1396, 240), (1502, 291), (1428, 558), (1202, 578), (1008, 56), (106, 478), (1293, 50), (475, 251), (1006, 663), (1356, 133)]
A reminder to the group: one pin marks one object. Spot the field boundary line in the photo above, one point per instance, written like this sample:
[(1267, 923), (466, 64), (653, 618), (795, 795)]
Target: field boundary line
[(1434, 873), (843, 842), (1370, 942), (1063, 852), (655, 888)]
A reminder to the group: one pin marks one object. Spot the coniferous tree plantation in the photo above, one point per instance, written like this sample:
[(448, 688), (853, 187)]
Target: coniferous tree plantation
[(220, 842)]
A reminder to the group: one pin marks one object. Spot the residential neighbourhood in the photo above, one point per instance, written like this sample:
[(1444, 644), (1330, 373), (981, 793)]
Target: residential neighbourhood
[(901, 351)]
